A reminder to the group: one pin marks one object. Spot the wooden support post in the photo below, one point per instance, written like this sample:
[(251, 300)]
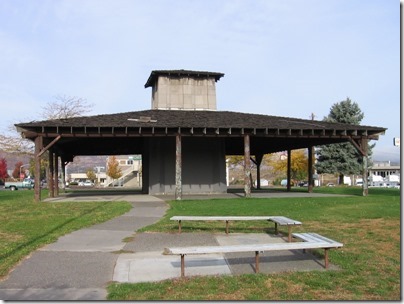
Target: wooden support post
[(37, 169), (178, 168), (247, 166), (227, 227), (289, 233), (276, 228), (326, 258), (56, 176), (289, 170), (182, 265), (51, 192), (310, 169), (63, 173), (364, 146), (257, 262), (258, 159), (179, 226)]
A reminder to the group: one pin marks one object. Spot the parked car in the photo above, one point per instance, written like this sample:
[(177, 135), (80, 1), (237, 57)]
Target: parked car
[(27, 183), (330, 185), (87, 183), (303, 184)]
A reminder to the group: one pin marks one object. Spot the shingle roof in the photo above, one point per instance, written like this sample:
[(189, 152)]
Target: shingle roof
[(178, 73), (195, 119), (123, 133)]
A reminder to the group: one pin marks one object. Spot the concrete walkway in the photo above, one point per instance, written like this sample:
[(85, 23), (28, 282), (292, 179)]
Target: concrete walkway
[(80, 265)]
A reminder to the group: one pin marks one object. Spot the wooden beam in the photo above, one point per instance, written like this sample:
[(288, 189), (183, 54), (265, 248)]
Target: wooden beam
[(364, 148), (247, 166), (178, 167), (49, 145), (51, 192), (56, 176), (288, 173), (37, 173), (310, 169), (358, 146), (63, 173), (258, 162)]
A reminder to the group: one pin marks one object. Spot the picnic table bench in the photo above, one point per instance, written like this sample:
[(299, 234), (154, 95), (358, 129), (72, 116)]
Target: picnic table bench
[(278, 220), (309, 241)]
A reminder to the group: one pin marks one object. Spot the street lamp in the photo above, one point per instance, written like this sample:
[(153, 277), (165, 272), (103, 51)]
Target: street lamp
[(23, 166)]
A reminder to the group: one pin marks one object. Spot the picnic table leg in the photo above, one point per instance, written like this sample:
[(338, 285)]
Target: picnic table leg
[(276, 228), (257, 262), (179, 226), (182, 265), (227, 227), (289, 233), (326, 257)]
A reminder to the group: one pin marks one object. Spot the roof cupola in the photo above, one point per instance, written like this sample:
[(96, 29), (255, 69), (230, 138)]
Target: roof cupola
[(183, 89)]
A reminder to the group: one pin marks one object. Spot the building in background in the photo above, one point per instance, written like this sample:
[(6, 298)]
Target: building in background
[(130, 166), (384, 174)]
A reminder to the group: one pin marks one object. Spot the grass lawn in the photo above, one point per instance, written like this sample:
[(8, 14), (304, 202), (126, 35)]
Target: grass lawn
[(26, 225), (369, 228)]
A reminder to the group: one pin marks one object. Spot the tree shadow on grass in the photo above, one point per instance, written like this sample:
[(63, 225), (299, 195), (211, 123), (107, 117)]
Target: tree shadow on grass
[(37, 240)]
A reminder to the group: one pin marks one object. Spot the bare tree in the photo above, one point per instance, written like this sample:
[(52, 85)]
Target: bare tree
[(14, 143), (66, 107), (62, 107)]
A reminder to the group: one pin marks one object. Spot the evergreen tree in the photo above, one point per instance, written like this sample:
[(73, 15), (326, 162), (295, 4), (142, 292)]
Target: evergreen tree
[(342, 158)]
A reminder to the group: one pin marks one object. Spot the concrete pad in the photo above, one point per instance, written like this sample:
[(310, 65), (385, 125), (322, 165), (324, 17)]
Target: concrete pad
[(270, 262), (275, 262), (150, 241), (247, 238), (88, 240), (154, 266), (54, 294), (62, 270)]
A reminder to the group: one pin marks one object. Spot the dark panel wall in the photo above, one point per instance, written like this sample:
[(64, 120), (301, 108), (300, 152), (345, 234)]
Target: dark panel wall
[(203, 165)]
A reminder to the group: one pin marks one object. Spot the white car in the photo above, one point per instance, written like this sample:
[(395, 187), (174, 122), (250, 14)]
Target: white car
[(87, 183)]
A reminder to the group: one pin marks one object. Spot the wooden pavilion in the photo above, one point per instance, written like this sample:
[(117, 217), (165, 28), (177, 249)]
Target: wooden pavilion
[(184, 140)]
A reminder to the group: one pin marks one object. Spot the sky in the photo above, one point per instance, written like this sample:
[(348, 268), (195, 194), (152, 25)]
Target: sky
[(280, 57)]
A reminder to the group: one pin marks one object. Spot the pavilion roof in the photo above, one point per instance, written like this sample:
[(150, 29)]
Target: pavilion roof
[(196, 119)]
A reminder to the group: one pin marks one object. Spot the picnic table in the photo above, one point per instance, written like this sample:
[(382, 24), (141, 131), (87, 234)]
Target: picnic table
[(278, 220), (308, 241)]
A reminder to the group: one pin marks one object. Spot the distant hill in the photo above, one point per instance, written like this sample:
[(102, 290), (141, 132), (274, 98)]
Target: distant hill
[(13, 158), (80, 163)]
